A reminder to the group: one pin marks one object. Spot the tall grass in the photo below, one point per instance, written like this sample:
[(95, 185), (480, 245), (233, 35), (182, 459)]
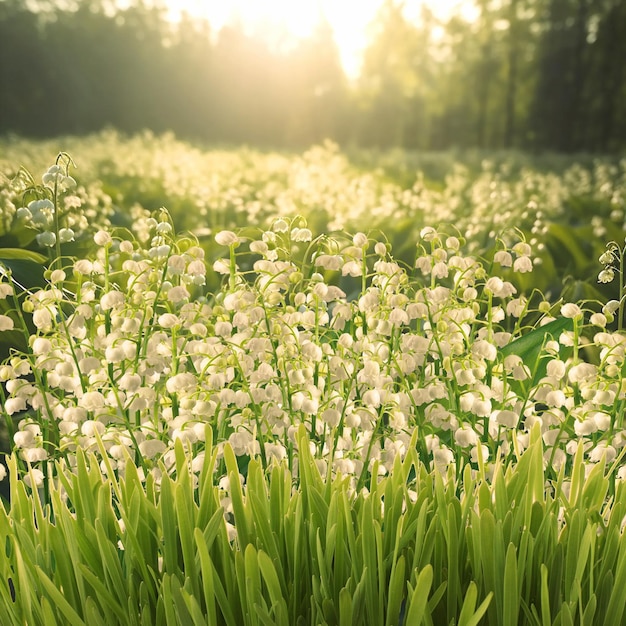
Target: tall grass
[(415, 547)]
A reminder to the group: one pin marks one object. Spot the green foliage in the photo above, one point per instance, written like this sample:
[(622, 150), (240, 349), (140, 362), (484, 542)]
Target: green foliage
[(428, 449), (415, 549)]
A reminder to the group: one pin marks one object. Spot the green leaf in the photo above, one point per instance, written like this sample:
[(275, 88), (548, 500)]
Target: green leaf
[(26, 272), (546, 619), (396, 591), (59, 600), (241, 512), (252, 580), (469, 616), (529, 345), (19, 254), (268, 571), (345, 608), (105, 595), (510, 610), (615, 610), (419, 597)]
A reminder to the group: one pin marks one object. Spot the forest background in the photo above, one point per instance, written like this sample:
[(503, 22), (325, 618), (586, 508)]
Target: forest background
[(539, 75)]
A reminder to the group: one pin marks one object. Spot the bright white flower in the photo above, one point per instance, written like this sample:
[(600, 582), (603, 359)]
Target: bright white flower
[(600, 450), (34, 455), (443, 457), (84, 267), (352, 268), (126, 247), (440, 270), (14, 405), (506, 418), (42, 319), (610, 307), (226, 238), (453, 243), (585, 427), (66, 235), (92, 401), (6, 323), (180, 382), (504, 258), (581, 372), (221, 266), (522, 249), (114, 354), (555, 369), (102, 238), (571, 311), (301, 234), (465, 436), (523, 265), (606, 275), (555, 398), (280, 226), (151, 448), (428, 233), (47, 238), (275, 451), (129, 382), (112, 300), (485, 349), (481, 407), (499, 288), (168, 320), (91, 427), (360, 240), (598, 319), (259, 247), (57, 276), (37, 478), (484, 453)]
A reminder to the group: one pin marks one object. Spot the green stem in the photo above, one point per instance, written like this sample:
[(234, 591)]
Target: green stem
[(620, 319), (57, 241)]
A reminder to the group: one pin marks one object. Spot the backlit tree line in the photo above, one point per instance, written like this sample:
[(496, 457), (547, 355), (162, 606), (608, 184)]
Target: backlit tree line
[(531, 74)]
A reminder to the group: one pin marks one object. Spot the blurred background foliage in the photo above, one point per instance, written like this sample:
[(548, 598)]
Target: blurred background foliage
[(528, 74)]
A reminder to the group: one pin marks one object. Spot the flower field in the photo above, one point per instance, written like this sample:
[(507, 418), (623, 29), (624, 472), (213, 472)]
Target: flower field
[(259, 388)]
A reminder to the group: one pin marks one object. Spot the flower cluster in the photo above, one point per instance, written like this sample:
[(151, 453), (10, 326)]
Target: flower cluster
[(129, 355)]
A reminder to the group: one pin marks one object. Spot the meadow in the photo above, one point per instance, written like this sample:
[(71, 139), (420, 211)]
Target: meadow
[(335, 387)]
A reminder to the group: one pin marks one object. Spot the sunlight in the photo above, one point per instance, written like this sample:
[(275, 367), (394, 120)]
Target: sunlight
[(349, 19)]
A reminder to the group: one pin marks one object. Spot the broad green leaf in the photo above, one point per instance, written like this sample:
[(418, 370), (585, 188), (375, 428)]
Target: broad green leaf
[(20, 254), (27, 272), (527, 346)]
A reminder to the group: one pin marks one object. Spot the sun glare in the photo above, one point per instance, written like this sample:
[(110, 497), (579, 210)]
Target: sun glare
[(349, 19)]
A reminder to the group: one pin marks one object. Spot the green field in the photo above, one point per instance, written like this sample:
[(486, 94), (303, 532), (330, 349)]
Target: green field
[(335, 387)]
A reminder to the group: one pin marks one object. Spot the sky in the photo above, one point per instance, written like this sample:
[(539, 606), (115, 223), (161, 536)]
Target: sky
[(349, 19)]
